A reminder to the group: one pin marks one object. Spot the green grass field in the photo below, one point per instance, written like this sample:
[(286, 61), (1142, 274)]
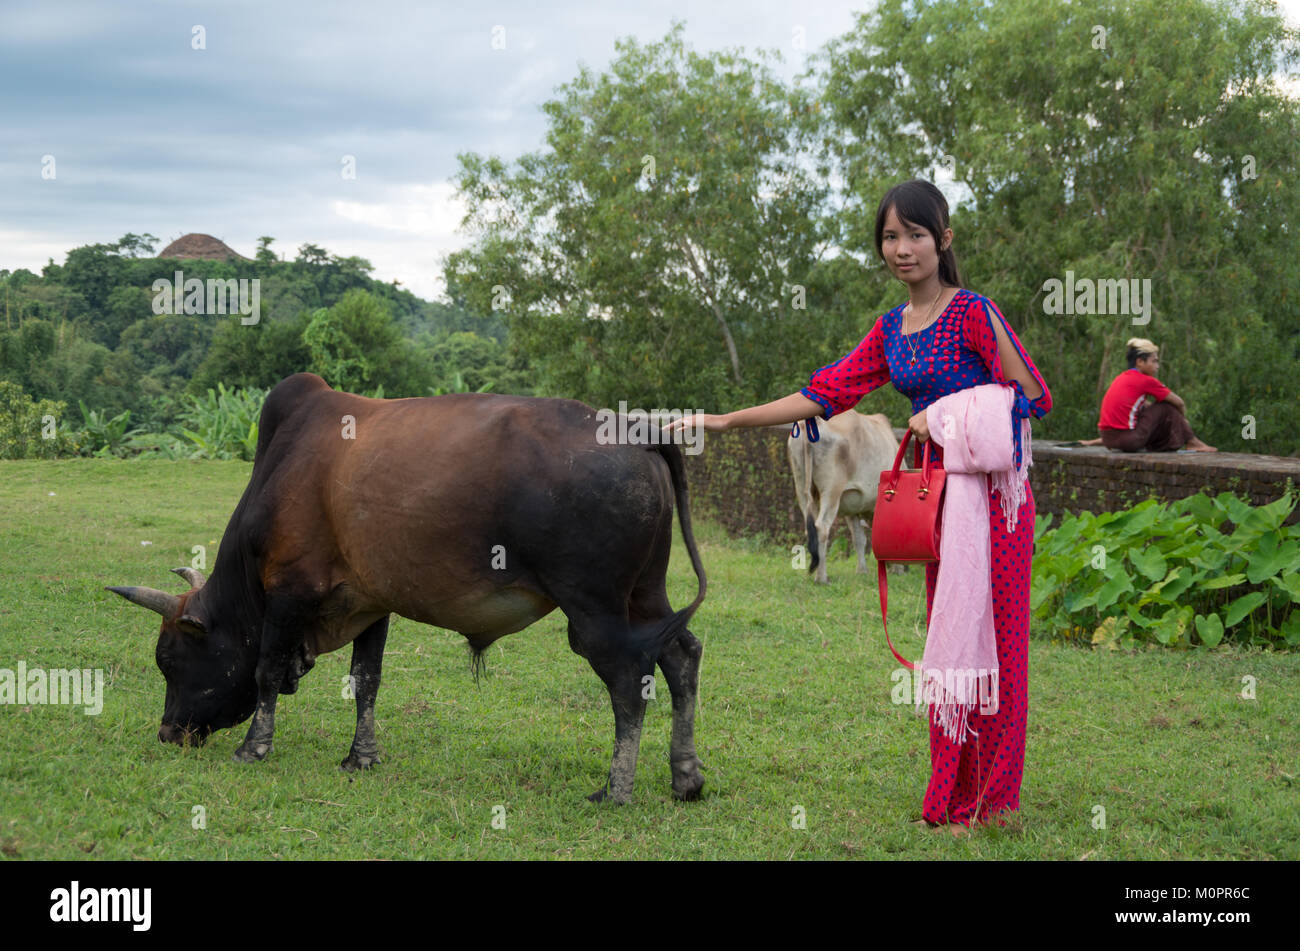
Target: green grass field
[(794, 711)]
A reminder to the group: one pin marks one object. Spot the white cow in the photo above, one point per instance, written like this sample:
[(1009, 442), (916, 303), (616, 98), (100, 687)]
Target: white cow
[(839, 475)]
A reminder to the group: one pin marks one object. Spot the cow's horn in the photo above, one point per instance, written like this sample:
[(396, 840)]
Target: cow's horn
[(195, 578), (165, 604)]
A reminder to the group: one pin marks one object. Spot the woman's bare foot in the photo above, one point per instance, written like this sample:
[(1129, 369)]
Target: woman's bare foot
[(956, 829), (1196, 445), (1090, 442)]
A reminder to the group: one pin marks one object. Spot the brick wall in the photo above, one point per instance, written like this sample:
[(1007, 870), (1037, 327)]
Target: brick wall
[(1095, 479), (742, 480)]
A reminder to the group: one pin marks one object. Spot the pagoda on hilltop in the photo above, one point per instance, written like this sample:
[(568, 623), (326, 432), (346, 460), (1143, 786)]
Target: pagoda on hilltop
[(201, 246)]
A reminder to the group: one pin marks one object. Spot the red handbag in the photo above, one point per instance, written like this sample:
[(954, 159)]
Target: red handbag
[(906, 524)]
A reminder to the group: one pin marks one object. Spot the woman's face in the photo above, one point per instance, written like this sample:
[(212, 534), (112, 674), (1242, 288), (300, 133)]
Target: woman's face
[(909, 249)]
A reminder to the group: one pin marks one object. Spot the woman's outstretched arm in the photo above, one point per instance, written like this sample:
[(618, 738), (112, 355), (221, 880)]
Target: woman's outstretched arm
[(838, 387), (787, 409)]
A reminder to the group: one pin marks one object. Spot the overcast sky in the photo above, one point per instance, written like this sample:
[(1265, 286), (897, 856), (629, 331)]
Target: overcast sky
[(246, 137)]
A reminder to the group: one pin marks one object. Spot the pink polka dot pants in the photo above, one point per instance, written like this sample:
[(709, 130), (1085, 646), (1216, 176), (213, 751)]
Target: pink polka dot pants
[(981, 777)]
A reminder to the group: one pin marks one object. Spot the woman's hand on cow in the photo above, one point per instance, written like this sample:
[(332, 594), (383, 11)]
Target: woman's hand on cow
[(714, 423), (918, 425)]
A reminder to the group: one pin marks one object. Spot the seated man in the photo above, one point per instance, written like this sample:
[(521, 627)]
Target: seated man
[(1129, 423)]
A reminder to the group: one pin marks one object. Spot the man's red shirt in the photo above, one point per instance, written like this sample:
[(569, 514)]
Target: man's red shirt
[(1127, 393)]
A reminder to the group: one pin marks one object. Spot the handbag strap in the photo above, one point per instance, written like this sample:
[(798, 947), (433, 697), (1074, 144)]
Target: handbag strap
[(883, 584), (881, 577), (898, 462)]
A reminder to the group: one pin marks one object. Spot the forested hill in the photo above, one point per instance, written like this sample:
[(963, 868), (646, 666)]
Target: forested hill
[(91, 329)]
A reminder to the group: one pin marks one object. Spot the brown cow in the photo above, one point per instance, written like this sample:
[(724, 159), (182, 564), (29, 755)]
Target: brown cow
[(839, 475), (474, 512)]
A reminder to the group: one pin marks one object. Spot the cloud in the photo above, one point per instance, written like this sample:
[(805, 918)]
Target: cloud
[(24, 248), (425, 210)]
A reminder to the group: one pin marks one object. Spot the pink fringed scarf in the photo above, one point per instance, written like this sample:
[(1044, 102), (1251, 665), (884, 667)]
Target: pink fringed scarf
[(960, 665)]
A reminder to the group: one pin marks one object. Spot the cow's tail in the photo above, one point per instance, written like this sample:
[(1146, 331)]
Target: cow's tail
[(810, 520), (672, 626)]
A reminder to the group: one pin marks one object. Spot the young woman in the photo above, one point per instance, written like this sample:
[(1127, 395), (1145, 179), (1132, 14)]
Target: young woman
[(942, 340)]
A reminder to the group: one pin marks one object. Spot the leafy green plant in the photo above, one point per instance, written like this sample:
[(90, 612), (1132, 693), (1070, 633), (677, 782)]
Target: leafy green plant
[(222, 423), (1200, 570), (32, 430), (104, 436)]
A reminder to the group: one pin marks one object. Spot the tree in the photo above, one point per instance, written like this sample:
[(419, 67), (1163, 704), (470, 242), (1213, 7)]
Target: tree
[(125, 305), (650, 252), (92, 271), (312, 254), (264, 253), (478, 360), (253, 355), (176, 344), (1114, 141), (137, 245), (356, 346)]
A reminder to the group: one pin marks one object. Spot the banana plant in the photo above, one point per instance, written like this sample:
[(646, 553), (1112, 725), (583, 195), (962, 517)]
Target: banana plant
[(107, 437)]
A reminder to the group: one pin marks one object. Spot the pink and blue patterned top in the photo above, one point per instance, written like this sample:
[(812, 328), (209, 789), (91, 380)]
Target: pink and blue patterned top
[(957, 351)]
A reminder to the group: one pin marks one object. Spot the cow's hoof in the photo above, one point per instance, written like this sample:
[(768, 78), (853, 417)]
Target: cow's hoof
[(897, 569), (689, 791), (604, 795), (687, 781), (356, 761), (251, 753), (822, 580)]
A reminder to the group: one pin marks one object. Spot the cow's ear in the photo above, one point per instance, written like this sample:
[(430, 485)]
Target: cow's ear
[(191, 625)]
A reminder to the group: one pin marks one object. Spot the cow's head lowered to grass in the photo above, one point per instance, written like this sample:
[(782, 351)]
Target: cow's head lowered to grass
[(208, 685)]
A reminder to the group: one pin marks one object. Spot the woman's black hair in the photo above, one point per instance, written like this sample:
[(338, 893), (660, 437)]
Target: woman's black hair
[(918, 202)]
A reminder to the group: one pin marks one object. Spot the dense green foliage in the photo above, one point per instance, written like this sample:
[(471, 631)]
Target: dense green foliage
[(104, 436), (222, 424), (33, 430), (1171, 573), (217, 424), (86, 332), (657, 248)]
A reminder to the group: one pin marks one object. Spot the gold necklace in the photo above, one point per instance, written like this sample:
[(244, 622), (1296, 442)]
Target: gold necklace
[(907, 337)]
